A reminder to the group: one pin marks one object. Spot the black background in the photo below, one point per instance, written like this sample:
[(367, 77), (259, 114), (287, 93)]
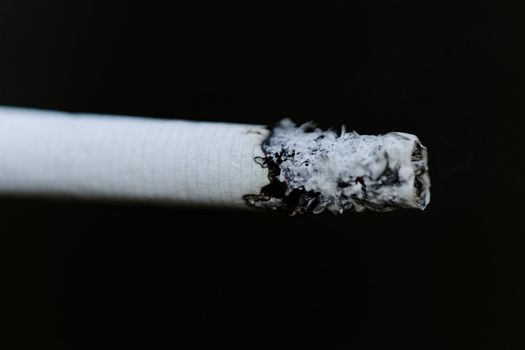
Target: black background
[(97, 275)]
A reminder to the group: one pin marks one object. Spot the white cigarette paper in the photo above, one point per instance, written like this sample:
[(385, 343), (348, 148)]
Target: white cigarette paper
[(209, 164), (114, 157)]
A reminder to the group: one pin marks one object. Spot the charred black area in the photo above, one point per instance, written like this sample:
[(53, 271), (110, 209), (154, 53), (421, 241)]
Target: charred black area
[(343, 184), (417, 154), (420, 170), (300, 201), (274, 195), (275, 188), (418, 186)]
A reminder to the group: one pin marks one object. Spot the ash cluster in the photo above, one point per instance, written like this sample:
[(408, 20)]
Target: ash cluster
[(312, 170)]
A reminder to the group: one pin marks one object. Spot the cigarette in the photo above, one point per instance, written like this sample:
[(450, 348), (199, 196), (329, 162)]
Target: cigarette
[(297, 169)]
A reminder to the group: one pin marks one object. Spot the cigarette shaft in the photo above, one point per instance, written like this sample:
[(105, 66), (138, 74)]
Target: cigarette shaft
[(95, 156)]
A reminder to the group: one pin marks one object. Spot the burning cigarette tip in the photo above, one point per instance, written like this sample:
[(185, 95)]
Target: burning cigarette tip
[(311, 170)]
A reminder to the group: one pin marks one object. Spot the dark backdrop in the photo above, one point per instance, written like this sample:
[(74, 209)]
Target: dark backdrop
[(105, 276)]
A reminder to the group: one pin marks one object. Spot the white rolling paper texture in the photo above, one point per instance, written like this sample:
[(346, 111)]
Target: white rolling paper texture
[(113, 157)]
